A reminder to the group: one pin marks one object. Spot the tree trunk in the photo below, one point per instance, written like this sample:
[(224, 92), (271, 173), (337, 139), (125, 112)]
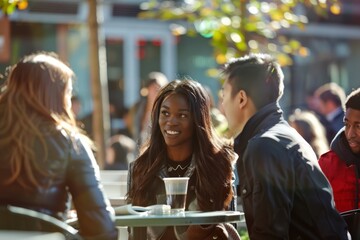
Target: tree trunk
[(98, 75)]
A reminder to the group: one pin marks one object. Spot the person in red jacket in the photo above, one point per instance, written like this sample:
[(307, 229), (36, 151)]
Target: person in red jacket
[(341, 164)]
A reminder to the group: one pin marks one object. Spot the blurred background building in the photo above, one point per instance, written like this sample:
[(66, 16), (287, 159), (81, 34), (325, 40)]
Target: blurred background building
[(135, 47)]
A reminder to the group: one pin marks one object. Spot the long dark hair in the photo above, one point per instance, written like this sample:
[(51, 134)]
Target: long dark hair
[(213, 160)]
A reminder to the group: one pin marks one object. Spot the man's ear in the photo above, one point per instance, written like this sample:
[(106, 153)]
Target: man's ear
[(242, 98)]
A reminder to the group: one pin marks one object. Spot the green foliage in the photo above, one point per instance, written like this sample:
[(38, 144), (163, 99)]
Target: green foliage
[(236, 27), (9, 6), (244, 234)]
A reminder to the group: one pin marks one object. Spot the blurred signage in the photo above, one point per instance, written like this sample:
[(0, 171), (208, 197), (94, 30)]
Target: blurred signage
[(4, 39)]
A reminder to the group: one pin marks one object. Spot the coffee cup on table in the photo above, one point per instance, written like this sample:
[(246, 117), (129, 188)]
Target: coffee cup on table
[(176, 190)]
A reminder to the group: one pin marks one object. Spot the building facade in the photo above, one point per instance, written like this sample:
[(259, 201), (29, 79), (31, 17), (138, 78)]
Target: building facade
[(135, 47)]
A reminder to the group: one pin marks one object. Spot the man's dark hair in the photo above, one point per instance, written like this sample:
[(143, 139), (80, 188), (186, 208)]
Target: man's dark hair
[(331, 92), (353, 100), (259, 75)]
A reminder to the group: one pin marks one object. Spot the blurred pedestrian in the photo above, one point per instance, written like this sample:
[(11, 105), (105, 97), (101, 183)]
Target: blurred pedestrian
[(120, 152), (217, 117), (139, 113), (311, 129), (331, 99)]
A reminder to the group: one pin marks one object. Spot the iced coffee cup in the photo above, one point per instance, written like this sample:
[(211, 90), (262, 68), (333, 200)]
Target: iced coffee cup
[(176, 189)]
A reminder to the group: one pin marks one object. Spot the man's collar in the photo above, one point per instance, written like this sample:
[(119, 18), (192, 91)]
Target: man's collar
[(330, 116)]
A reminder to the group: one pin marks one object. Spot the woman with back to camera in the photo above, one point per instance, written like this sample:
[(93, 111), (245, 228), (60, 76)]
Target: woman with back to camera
[(311, 129), (183, 143), (44, 157)]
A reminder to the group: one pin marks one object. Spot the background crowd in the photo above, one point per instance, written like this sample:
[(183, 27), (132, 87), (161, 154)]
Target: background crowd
[(294, 174), (318, 120)]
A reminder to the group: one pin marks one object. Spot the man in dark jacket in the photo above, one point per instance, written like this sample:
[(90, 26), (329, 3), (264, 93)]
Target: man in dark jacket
[(284, 193), (330, 105), (341, 164)]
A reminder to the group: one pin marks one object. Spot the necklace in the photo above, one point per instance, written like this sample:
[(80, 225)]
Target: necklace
[(178, 169), (171, 168)]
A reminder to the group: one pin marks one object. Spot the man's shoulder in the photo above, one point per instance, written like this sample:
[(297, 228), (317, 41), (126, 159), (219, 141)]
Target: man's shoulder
[(280, 138), (275, 135), (328, 155), (328, 158), (264, 142)]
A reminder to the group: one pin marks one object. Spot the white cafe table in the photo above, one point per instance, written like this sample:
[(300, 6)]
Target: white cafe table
[(188, 218), (29, 235)]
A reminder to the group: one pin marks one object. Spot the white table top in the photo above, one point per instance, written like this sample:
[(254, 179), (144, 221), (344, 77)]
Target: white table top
[(189, 218), (29, 235)]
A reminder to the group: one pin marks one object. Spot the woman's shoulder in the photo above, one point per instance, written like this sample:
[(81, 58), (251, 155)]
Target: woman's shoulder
[(50, 131), (71, 141)]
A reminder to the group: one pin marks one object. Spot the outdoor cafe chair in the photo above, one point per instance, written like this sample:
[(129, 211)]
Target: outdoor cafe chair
[(352, 218), (14, 218)]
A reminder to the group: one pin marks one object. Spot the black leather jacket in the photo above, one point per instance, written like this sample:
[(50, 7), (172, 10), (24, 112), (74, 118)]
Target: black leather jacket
[(75, 180), (285, 195)]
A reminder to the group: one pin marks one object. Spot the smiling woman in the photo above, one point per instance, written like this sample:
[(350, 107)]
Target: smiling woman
[(176, 123), (183, 143)]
